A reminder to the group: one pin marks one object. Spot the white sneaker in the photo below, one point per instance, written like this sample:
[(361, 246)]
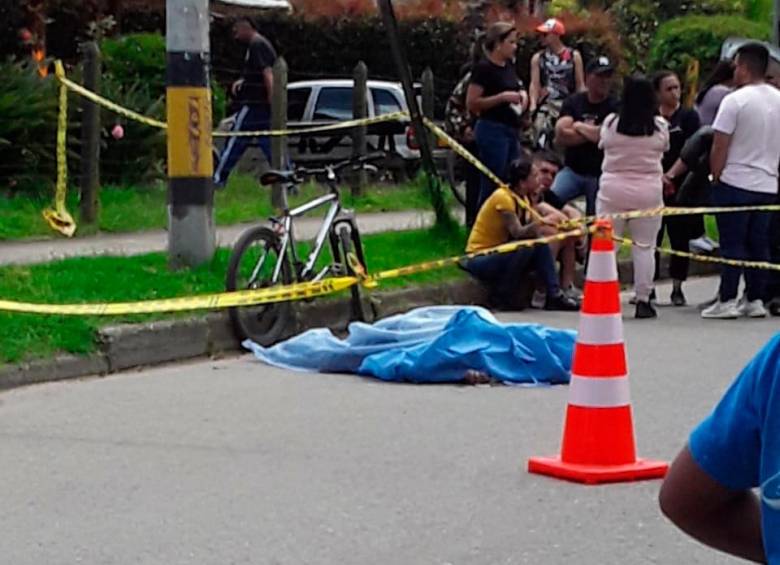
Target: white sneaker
[(702, 245), (539, 299), (753, 309), (573, 292), (722, 311)]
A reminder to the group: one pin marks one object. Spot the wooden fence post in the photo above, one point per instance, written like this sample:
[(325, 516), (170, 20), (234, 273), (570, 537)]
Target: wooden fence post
[(359, 112), (90, 137), (279, 122), (428, 102)]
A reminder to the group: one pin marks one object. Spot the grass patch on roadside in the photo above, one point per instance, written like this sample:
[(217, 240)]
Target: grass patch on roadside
[(130, 209), (147, 277)]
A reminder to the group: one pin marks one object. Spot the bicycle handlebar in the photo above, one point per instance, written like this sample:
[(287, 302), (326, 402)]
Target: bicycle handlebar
[(356, 163)]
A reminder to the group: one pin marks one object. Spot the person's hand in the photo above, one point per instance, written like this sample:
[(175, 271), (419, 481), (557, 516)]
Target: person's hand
[(525, 100), (468, 134), (669, 186), (236, 86), (512, 97)]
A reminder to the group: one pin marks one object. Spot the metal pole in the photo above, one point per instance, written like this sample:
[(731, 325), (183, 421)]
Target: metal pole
[(399, 57), (191, 235)]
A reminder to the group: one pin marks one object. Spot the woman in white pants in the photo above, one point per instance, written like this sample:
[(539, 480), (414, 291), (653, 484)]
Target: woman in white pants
[(634, 142)]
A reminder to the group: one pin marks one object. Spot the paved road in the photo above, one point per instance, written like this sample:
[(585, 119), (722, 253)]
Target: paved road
[(41, 251), (230, 461)]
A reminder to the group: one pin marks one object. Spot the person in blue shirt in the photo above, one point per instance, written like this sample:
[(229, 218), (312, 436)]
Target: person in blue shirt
[(709, 491)]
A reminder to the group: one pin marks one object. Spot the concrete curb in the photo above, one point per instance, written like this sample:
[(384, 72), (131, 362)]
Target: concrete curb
[(140, 345)]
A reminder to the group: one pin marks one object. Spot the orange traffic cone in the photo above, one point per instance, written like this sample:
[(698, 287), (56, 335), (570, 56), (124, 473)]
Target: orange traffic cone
[(598, 435)]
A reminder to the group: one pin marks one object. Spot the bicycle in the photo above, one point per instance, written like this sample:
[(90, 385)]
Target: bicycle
[(264, 256)]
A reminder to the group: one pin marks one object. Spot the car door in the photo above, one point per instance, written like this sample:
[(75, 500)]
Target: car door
[(299, 102), (331, 104)]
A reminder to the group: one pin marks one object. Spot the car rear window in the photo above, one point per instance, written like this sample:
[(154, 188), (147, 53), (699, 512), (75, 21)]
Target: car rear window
[(334, 104), (384, 102)]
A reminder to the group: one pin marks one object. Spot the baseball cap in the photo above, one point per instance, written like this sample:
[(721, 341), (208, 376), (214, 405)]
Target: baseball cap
[(552, 26), (599, 65)]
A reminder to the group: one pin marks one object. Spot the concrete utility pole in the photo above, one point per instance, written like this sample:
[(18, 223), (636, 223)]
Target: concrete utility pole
[(191, 235)]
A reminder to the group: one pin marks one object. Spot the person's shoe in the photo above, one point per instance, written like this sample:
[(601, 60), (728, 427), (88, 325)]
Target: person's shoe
[(774, 307), (562, 302), (645, 310), (573, 292), (539, 299), (722, 311), (633, 299), (678, 298), (702, 245), (754, 309)]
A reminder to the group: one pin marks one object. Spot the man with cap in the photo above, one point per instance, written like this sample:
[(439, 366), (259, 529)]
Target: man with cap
[(578, 131), (556, 71)]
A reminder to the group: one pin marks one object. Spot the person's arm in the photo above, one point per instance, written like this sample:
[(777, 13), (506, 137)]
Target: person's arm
[(268, 78), (476, 103), (590, 132), (579, 72), (565, 134), (516, 229), (709, 512), (719, 153), (535, 88), (678, 169)]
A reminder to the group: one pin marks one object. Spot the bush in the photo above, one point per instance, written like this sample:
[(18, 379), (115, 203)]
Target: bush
[(28, 128), (680, 40)]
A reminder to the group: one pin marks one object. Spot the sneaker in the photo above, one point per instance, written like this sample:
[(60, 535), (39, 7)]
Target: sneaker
[(702, 245), (678, 298), (645, 310), (573, 292), (754, 309), (722, 311), (562, 302), (539, 299)]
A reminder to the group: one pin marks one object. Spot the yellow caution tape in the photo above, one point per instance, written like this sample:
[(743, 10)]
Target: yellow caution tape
[(59, 218), (705, 258), (394, 117)]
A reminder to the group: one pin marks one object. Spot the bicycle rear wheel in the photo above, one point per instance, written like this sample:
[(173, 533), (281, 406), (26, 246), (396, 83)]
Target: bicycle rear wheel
[(252, 265)]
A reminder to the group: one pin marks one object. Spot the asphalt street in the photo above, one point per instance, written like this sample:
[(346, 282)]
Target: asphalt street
[(230, 461)]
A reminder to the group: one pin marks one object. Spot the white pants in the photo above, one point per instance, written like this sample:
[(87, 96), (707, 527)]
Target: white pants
[(643, 231)]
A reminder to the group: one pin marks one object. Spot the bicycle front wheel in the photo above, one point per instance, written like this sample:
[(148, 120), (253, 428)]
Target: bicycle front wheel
[(257, 262)]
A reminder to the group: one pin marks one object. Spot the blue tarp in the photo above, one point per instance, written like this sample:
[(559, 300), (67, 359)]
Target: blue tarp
[(432, 345)]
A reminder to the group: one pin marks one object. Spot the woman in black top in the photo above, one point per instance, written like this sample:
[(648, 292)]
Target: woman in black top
[(496, 95), (683, 123)]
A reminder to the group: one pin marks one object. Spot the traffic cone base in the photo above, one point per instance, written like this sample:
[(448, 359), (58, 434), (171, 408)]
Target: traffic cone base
[(639, 470)]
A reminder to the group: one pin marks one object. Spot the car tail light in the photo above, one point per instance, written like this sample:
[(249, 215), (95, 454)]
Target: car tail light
[(411, 139)]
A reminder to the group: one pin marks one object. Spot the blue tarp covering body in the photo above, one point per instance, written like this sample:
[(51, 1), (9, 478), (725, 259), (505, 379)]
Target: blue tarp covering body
[(432, 345)]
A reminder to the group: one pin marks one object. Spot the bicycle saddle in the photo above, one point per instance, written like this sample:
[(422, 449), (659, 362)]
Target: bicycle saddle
[(284, 177)]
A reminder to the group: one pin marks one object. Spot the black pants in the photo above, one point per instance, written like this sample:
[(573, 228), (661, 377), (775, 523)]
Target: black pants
[(773, 279), (473, 185), (681, 230)]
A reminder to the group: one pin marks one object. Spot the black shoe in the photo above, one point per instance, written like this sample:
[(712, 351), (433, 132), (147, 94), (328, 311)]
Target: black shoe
[(645, 310), (562, 302), (678, 298), (774, 307), (652, 296)]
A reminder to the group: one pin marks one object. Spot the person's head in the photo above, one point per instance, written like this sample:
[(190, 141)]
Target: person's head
[(523, 176), (501, 41), (723, 73), (552, 32), (639, 108), (243, 30), (750, 64), (667, 88), (598, 78), (548, 164)]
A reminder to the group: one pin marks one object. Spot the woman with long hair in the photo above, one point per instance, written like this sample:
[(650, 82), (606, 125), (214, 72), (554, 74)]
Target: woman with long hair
[(634, 142), (496, 96), (718, 85)]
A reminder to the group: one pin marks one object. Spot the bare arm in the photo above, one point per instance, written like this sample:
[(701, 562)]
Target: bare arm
[(579, 72), (565, 134), (709, 512), (518, 230), (476, 103), (718, 153), (590, 132), (679, 168), (535, 88), (268, 78)]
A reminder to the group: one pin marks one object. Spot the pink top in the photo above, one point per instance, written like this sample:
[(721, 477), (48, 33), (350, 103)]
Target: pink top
[(632, 172)]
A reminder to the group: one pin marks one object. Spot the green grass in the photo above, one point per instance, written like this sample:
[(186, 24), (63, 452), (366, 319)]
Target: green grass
[(130, 209), (108, 279)]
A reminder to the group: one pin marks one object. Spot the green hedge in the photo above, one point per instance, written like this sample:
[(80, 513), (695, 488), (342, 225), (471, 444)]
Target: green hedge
[(700, 37)]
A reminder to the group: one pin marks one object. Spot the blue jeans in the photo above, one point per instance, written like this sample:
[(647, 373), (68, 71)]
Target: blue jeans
[(249, 118), (503, 271), (497, 145), (568, 185), (743, 236)]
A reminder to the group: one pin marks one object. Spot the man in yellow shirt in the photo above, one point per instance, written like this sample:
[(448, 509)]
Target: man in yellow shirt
[(502, 219)]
